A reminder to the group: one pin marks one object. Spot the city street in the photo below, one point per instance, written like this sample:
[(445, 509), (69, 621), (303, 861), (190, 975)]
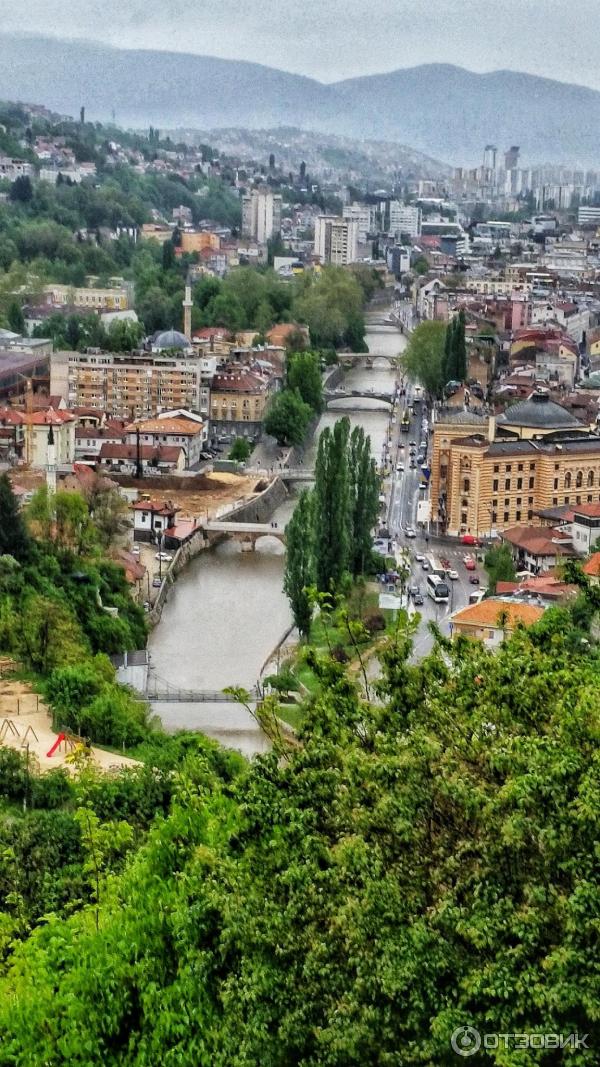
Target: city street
[(404, 495)]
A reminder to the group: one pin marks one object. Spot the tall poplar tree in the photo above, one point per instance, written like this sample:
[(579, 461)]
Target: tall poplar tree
[(299, 565), (364, 498), (460, 348), (332, 507)]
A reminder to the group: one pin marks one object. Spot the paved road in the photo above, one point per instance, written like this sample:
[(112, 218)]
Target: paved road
[(404, 494)]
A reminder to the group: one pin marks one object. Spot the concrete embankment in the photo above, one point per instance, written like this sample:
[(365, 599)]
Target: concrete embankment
[(258, 509)]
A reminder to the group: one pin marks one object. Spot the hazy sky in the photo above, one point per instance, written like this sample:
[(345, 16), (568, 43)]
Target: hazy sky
[(334, 39)]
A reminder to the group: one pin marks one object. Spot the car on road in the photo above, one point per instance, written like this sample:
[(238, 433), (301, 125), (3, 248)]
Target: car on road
[(422, 487), (452, 575), (164, 556), (469, 563), (417, 599), (419, 557), (474, 579), (412, 444), (135, 551), (469, 539), (425, 565), (410, 532), (413, 590), (413, 465), (156, 582), (400, 468)]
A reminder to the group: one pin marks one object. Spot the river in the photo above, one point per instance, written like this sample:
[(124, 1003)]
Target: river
[(227, 610)]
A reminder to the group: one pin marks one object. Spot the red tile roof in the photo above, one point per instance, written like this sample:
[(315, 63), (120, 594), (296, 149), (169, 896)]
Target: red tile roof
[(539, 540)]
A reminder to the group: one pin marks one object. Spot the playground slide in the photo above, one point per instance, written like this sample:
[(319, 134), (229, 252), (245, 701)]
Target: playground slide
[(59, 740)]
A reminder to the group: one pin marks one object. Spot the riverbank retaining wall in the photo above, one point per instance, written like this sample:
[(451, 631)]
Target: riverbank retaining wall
[(259, 509)]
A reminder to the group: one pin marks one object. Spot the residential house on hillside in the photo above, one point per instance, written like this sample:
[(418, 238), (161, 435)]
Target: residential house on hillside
[(538, 548), (185, 433), (157, 459), (493, 619)]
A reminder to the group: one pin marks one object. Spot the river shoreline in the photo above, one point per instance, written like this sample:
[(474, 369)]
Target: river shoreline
[(226, 616)]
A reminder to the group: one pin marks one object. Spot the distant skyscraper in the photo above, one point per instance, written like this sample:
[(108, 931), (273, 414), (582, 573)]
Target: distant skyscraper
[(511, 158), (261, 214), (489, 157)]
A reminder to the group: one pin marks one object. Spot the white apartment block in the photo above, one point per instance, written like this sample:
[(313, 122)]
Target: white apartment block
[(11, 169), (362, 214), (405, 218), (336, 240), (261, 214), (587, 216)]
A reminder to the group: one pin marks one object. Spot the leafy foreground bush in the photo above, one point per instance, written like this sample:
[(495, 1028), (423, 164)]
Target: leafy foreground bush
[(416, 864)]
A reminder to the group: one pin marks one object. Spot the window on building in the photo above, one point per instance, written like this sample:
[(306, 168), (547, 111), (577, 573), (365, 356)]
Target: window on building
[(506, 516), (579, 479), (555, 483), (496, 468), (590, 478), (494, 516), (466, 485), (530, 500), (519, 483), (518, 516), (507, 502), (578, 499), (508, 467), (518, 501), (557, 466), (530, 514), (589, 499), (520, 467), (567, 500), (463, 518), (568, 480), (555, 500), (531, 483), (532, 466), (495, 485), (443, 472), (507, 483)]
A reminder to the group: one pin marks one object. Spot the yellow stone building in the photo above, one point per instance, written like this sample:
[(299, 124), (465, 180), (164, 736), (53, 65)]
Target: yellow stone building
[(491, 473)]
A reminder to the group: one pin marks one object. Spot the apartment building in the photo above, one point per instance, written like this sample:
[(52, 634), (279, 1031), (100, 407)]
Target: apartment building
[(405, 218), (11, 169), (261, 214), (336, 240), (132, 385), (362, 214), (238, 401)]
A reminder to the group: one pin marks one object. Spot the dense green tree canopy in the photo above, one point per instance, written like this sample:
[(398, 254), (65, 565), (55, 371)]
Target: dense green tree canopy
[(412, 866), (424, 356)]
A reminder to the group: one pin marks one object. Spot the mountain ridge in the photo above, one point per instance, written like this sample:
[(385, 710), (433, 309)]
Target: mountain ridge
[(439, 109)]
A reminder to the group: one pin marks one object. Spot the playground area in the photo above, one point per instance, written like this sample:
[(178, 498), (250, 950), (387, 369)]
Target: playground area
[(26, 725)]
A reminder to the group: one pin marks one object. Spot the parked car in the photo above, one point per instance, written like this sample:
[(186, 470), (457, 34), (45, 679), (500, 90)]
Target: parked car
[(410, 532), (414, 590), (419, 556), (452, 575), (156, 582), (469, 539), (412, 444), (418, 599), (474, 579), (135, 551), (164, 556), (425, 565), (400, 468)]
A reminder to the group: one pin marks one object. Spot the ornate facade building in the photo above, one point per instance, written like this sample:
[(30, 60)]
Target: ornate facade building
[(490, 473)]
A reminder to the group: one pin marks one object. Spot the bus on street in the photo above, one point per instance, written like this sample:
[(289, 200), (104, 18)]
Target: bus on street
[(437, 589), (436, 567)]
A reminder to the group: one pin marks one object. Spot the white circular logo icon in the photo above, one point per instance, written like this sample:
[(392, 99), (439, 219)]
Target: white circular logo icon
[(466, 1041)]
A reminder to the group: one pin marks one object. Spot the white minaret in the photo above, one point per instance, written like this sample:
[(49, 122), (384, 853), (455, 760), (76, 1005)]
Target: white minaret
[(188, 304), (51, 462)]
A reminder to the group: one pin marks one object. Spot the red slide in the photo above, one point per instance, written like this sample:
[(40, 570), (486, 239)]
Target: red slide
[(61, 737)]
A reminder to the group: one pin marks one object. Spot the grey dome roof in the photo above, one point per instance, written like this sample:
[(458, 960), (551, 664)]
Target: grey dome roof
[(171, 339), (538, 412)]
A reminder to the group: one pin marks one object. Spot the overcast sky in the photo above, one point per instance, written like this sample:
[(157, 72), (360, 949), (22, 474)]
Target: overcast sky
[(335, 39)]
